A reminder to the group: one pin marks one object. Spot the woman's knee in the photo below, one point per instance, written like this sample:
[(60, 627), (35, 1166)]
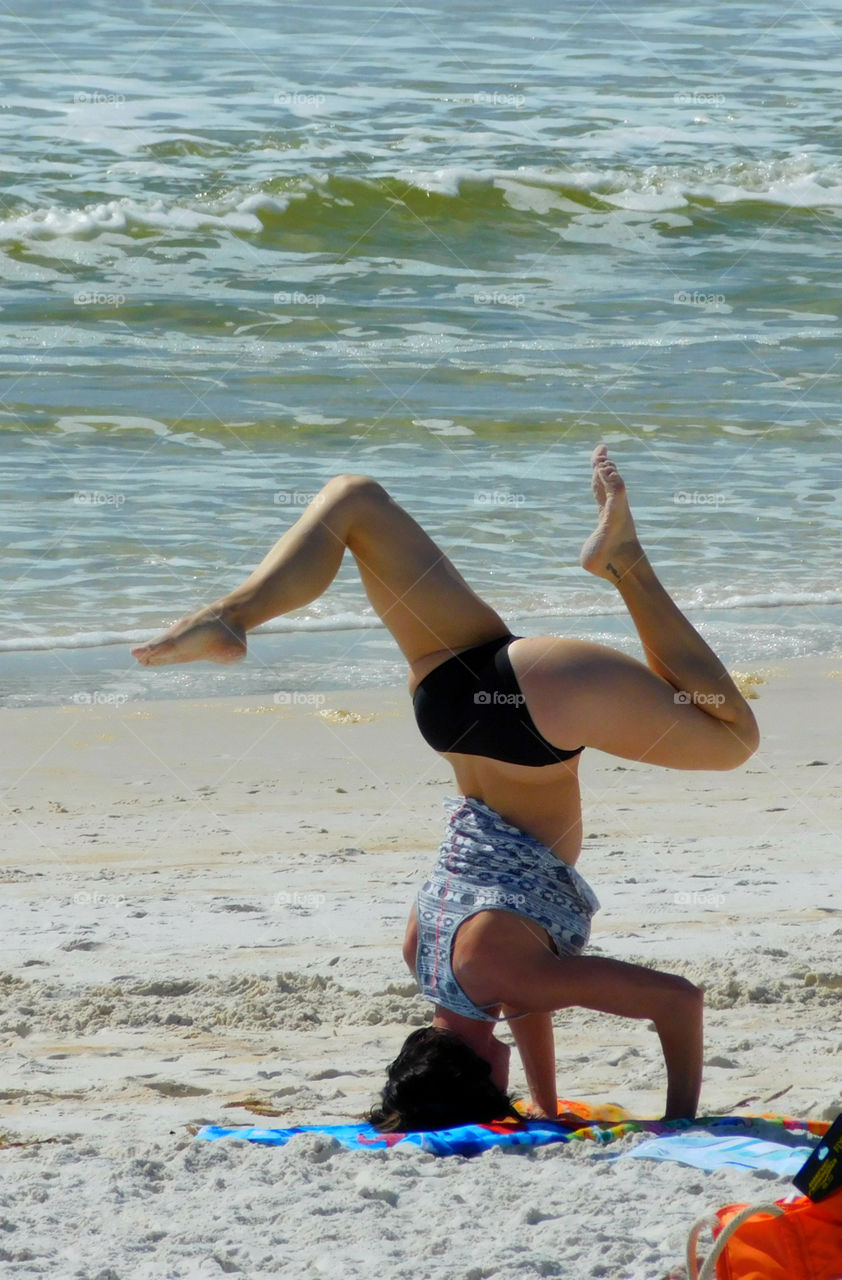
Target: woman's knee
[(354, 488), (739, 741)]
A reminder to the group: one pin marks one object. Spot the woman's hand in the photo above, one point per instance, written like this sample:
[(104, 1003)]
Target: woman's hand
[(568, 1118)]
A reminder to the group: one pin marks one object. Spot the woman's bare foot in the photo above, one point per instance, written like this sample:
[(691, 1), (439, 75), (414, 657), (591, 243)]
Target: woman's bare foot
[(211, 635), (613, 548)]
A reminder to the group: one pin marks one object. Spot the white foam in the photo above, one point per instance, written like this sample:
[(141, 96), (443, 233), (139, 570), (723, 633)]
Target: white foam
[(349, 621), (442, 426), (703, 601), (97, 639), (449, 180), (124, 216), (798, 181), (84, 423)]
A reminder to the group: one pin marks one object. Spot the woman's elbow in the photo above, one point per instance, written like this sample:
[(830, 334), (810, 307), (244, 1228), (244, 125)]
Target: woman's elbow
[(680, 996)]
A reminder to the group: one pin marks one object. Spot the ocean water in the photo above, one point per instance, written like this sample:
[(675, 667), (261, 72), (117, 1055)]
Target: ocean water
[(246, 246)]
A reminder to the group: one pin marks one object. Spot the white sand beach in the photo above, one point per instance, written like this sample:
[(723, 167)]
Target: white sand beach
[(202, 911)]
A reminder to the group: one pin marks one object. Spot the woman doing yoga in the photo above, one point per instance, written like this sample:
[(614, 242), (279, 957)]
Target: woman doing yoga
[(498, 929)]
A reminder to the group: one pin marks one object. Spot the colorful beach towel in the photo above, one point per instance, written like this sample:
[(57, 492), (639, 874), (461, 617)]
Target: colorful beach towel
[(606, 1123)]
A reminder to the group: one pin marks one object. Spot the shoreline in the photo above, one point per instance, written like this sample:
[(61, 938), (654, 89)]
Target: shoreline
[(325, 659)]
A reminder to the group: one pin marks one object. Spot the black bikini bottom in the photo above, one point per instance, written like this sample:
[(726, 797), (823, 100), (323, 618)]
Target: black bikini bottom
[(472, 704)]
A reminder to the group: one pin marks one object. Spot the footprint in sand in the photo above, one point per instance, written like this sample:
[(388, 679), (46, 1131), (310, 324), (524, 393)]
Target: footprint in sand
[(172, 1089)]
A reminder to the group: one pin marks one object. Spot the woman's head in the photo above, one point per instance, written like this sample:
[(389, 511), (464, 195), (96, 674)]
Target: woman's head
[(437, 1081)]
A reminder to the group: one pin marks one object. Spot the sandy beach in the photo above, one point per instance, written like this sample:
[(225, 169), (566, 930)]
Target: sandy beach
[(202, 910)]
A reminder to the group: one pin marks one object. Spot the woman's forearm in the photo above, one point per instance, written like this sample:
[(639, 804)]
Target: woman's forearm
[(536, 1046)]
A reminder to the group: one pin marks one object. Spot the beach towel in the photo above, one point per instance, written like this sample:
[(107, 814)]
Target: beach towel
[(606, 1123), (712, 1151)]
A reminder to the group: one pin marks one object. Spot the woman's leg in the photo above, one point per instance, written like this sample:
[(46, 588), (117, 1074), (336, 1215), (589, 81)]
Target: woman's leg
[(412, 585), (683, 710)]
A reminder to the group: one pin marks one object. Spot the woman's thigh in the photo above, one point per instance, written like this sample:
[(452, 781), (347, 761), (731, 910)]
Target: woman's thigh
[(413, 586), (588, 694)]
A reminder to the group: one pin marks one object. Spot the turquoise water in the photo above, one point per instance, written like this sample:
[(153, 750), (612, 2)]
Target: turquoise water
[(244, 247)]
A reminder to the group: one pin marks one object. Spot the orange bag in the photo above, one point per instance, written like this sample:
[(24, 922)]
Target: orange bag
[(792, 1239)]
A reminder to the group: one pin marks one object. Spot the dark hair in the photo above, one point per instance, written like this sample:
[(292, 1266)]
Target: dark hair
[(437, 1081)]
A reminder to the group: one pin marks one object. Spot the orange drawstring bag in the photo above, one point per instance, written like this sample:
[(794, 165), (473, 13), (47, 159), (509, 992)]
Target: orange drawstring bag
[(791, 1239)]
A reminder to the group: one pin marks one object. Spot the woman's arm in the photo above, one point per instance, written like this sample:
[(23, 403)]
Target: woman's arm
[(536, 1046), (673, 1004)]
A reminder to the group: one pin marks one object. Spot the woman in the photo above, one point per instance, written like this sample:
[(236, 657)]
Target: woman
[(500, 924)]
